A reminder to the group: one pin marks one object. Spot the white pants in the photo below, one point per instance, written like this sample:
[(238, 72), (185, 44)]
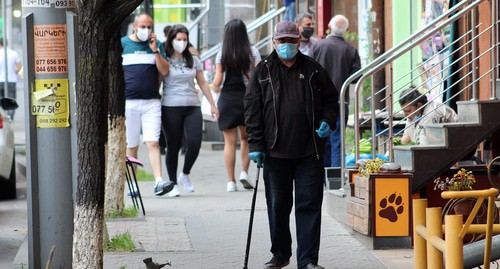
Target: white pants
[(142, 115)]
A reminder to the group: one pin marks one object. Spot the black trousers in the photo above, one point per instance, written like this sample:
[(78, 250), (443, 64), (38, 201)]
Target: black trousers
[(179, 122), (280, 178)]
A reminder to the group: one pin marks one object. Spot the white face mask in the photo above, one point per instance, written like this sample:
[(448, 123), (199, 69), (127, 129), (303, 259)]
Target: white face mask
[(142, 34), (179, 45)]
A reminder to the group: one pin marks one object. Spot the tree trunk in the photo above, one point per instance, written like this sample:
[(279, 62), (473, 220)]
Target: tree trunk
[(115, 170), (92, 97), (97, 22)]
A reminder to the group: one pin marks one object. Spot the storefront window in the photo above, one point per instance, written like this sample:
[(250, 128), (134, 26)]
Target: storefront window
[(308, 6), (434, 56)]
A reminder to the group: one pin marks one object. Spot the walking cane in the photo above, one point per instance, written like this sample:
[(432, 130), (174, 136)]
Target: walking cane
[(252, 211)]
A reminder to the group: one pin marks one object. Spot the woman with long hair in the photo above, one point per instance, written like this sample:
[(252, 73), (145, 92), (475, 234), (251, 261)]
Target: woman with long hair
[(232, 70), (181, 113)]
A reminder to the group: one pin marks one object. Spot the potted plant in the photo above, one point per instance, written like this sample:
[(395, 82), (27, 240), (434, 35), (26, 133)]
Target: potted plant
[(461, 181), (369, 166)]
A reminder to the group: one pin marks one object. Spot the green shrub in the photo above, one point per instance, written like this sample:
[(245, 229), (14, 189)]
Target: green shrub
[(120, 243), (130, 212), (142, 175)]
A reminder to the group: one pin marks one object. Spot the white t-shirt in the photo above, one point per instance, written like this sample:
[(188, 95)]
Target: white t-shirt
[(306, 47), (12, 61), (442, 114), (255, 57), (178, 85)]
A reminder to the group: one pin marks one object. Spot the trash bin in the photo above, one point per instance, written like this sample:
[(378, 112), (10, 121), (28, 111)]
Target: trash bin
[(333, 180)]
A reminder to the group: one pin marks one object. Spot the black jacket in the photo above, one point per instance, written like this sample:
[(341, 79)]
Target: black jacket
[(262, 102), (339, 58)]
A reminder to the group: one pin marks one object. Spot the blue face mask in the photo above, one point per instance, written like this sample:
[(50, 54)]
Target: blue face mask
[(417, 118), (286, 51)]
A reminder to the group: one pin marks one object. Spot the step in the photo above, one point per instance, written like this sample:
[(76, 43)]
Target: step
[(447, 134), (404, 155), (468, 111)]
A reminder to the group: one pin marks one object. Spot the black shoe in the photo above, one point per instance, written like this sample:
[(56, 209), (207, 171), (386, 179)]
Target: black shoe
[(246, 184), (276, 263), (312, 266), (163, 187)]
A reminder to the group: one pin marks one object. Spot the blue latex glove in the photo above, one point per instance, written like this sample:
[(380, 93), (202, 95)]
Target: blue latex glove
[(257, 157), (323, 130)]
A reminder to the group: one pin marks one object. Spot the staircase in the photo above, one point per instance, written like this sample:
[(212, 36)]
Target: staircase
[(470, 65), (448, 143)]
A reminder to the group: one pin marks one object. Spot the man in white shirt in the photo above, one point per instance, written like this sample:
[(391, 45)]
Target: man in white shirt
[(13, 65), (412, 101)]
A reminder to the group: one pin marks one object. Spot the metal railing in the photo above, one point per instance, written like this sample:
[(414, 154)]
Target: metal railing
[(254, 25), (461, 53), (429, 245), (267, 17), (196, 21)]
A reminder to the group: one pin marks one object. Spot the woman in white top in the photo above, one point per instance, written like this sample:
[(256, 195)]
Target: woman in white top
[(181, 113), (232, 69)]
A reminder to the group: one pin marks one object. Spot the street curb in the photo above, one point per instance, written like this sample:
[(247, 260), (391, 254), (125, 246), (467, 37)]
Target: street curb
[(21, 260)]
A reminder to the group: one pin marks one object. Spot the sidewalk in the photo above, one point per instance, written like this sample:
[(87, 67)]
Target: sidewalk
[(208, 228)]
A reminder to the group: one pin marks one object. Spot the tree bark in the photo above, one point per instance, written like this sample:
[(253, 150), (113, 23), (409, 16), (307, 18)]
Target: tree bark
[(115, 170), (97, 21)]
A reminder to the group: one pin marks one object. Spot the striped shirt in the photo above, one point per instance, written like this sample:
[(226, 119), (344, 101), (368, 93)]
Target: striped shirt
[(139, 67)]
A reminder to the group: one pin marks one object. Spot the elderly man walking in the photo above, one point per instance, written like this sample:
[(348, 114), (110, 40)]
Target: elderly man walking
[(341, 60), (290, 107)]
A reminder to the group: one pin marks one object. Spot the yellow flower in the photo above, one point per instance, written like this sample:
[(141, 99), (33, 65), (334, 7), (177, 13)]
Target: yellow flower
[(462, 180)]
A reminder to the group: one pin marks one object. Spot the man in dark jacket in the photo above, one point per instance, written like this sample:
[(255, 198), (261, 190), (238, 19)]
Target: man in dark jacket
[(341, 60), (290, 107)]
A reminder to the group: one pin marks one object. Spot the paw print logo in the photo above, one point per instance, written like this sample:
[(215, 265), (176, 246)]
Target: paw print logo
[(391, 207)]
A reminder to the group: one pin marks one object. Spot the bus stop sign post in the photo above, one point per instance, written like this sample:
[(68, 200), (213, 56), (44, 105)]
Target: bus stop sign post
[(50, 158)]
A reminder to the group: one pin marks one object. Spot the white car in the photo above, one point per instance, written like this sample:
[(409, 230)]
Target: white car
[(7, 155)]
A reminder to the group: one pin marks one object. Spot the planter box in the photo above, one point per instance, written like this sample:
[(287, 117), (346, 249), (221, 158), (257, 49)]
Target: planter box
[(380, 209)]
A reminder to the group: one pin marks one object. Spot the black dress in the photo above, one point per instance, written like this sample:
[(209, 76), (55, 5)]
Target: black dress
[(230, 103)]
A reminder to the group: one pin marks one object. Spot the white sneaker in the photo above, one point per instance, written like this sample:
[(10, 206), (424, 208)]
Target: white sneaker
[(231, 187), (244, 180), (188, 186), (174, 192)]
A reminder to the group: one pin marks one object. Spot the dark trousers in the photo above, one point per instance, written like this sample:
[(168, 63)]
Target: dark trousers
[(280, 177), (179, 122), (332, 147)]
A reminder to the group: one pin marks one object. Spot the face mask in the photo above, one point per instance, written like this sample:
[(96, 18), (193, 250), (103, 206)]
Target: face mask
[(286, 51), (307, 32), (417, 118), (142, 34), (179, 45)]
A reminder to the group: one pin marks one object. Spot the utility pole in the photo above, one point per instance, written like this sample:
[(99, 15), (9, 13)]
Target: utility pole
[(49, 72)]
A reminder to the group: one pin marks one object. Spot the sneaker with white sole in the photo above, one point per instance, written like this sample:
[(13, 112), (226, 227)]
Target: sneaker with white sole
[(162, 187), (244, 180), (174, 192), (188, 186), (231, 187)]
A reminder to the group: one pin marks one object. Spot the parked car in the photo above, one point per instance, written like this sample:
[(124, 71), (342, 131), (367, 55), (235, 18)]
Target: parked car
[(7, 154)]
